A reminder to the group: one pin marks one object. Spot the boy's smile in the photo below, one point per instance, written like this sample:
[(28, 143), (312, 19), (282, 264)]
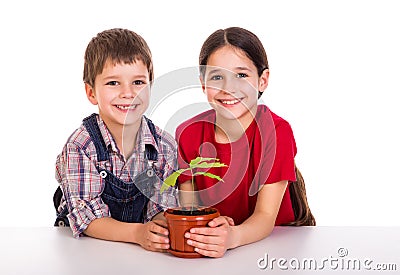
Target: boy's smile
[(126, 107)]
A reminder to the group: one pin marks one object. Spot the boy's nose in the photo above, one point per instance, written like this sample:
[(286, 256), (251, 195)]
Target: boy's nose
[(128, 92)]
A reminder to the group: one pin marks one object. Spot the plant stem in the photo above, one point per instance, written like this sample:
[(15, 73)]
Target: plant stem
[(192, 194)]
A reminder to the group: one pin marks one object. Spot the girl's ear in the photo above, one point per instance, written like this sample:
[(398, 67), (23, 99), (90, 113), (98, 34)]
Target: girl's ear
[(263, 80), (202, 83), (90, 94)]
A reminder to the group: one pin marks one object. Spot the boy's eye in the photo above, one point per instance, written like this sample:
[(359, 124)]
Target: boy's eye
[(216, 77), (112, 83), (242, 75)]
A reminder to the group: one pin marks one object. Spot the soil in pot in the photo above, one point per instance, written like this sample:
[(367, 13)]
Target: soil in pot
[(180, 221)]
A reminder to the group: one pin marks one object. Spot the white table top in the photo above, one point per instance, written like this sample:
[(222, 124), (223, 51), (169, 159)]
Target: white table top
[(288, 250)]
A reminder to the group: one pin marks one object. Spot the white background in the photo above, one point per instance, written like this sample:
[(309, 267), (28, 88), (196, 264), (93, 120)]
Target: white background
[(335, 68)]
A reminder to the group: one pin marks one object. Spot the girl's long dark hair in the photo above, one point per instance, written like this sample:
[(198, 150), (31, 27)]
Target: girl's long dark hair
[(301, 209)]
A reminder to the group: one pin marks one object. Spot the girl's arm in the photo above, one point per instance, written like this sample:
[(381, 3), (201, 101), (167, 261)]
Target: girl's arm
[(220, 236), (186, 195)]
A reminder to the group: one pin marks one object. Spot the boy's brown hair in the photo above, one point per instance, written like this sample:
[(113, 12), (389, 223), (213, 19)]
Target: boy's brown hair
[(118, 46)]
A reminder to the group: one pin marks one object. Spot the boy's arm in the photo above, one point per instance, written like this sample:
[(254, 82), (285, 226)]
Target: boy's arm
[(81, 185), (151, 236)]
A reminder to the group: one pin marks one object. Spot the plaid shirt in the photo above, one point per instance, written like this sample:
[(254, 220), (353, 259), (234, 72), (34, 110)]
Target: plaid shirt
[(82, 185)]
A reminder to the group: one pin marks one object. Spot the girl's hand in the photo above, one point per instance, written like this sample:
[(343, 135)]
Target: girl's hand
[(212, 241), (154, 236)]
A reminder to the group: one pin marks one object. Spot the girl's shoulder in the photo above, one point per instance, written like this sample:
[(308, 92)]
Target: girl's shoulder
[(266, 113), (281, 126)]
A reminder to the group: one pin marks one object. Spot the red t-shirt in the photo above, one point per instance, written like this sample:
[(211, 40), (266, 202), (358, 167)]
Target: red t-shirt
[(264, 155)]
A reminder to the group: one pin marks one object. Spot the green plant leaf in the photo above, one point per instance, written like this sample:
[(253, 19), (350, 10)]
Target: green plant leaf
[(209, 165), (171, 179), (195, 161), (210, 175)]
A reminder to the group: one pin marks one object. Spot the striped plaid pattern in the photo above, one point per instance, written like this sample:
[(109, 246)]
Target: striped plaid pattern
[(77, 174)]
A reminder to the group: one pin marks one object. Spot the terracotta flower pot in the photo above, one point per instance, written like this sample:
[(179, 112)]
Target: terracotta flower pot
[(180, 221)]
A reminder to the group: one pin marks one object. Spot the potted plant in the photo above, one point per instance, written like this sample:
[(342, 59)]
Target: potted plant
[(180, 220)]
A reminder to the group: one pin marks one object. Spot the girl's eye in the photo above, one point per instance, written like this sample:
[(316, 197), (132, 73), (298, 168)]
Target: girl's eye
[(242, 75), (216, 77), (138, 82), (112, 83)]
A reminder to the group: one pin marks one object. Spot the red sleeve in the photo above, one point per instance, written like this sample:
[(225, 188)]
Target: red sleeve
[(283, 166)]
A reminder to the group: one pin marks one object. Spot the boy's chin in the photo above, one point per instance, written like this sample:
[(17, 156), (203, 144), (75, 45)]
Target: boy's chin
[(131, 119)]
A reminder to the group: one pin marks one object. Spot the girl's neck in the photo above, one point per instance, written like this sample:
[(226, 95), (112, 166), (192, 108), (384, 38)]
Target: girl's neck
[(231, 130)]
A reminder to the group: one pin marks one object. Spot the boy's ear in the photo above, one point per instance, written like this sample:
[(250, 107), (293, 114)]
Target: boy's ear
[(263, 80), (90, 94)]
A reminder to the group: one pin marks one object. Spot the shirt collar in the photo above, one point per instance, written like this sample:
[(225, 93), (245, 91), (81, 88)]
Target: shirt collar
[(144, 136)]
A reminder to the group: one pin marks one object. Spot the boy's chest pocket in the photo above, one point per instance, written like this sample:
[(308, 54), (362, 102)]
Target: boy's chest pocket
[(127, 201)]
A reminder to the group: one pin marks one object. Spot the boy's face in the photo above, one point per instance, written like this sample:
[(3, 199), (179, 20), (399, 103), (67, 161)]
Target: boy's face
[(231, 83), (122, 93)]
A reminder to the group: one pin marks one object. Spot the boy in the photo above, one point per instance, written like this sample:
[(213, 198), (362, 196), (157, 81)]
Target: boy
[(112, 167)]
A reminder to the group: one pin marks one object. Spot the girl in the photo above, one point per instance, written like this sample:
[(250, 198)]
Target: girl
[(257, 145)]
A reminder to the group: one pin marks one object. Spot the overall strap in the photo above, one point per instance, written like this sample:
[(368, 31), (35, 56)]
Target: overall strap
[(93, 129), (150, 151)]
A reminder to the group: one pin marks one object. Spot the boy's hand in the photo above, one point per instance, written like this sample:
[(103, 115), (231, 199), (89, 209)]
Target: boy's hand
[(212, 241), (154, 236)]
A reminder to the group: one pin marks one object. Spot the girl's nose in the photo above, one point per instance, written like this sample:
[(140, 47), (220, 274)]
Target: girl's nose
[(229, 86)]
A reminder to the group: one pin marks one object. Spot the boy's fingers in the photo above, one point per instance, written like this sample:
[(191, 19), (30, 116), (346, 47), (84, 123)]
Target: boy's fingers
[(161, 223), (158, 229)]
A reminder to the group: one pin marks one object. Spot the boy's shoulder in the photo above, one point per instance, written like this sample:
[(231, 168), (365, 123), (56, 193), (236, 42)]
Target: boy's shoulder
[(80, 138)]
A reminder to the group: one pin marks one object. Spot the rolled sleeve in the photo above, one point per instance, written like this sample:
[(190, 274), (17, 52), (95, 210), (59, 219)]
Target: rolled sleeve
[(82, 187), (84, 213)]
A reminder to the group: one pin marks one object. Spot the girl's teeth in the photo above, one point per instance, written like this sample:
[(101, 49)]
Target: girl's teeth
[(230, 102)]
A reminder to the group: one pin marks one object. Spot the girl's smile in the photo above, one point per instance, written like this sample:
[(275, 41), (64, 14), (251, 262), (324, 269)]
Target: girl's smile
[(230, 102)]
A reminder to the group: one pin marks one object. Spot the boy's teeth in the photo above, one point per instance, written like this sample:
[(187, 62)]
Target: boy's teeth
[(126, 107), (230, 102)]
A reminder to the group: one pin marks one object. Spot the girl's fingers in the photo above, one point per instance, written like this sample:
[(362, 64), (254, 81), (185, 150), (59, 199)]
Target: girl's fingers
[(209, 250), (221, 220), (206, 239)]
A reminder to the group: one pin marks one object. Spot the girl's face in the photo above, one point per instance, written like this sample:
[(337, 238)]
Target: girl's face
[(231, 83)]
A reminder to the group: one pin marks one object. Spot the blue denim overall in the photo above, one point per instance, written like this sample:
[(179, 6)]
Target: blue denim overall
[(127, 201)]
